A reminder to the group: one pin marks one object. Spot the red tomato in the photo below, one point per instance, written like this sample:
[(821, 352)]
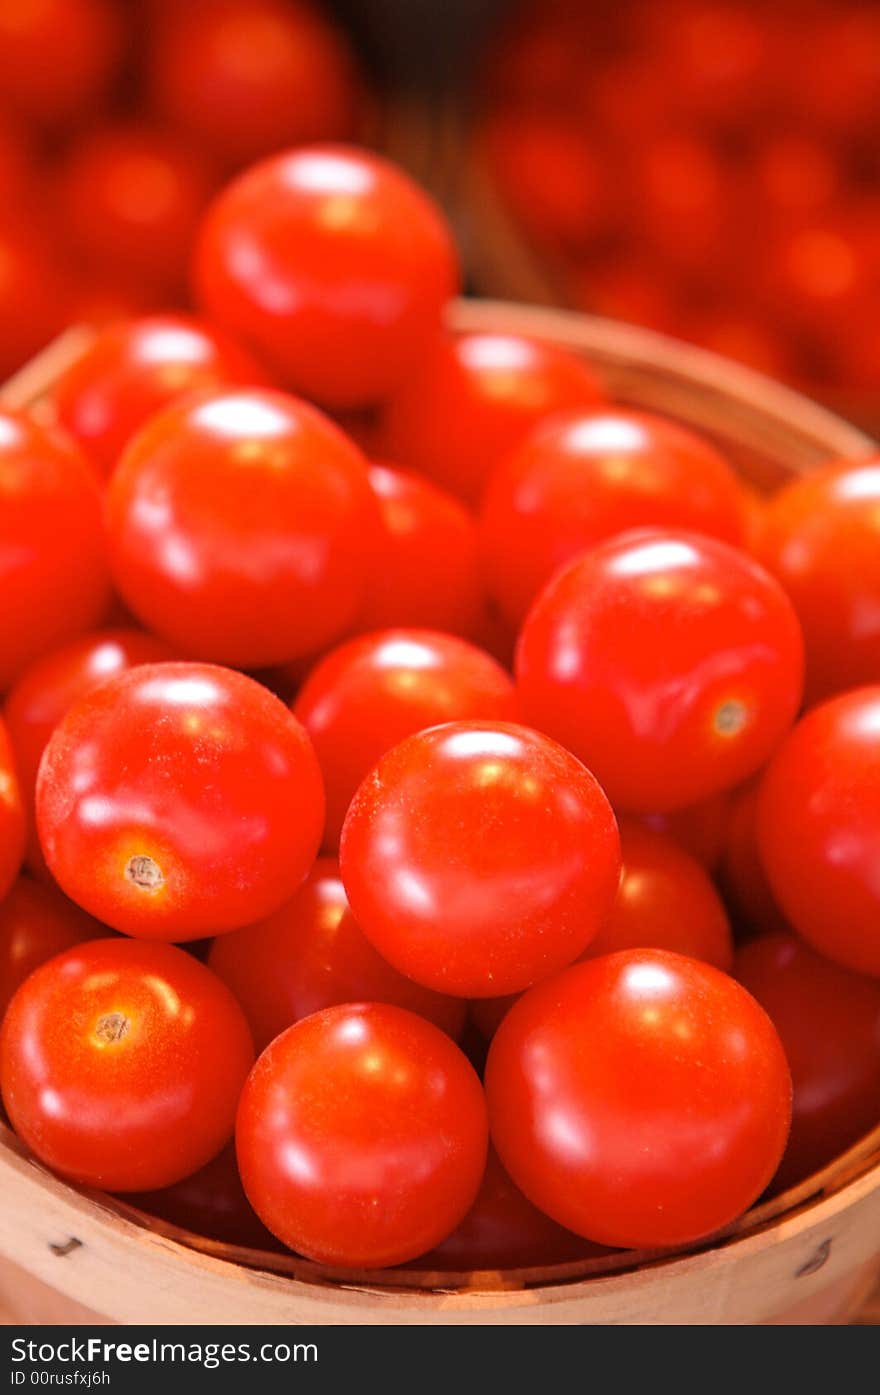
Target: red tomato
[(36, 923), (819, 828), (312, 954), (246, 77), (474, 399), (210, 1202), (44, 692), (57, 57), (681, 199), (640, 1099), (242, 527), (581, 478), (333, 266), (823, 270), (131, 197), (479, 857), (820, 536), (362, 1136), (12, 814), (829, 1021), (701, 829), (503, 1230), (369, 694), (131, 370), (796, 175), (33, 293), (52, 552), (179, 800), (666, 900), (671, 664), (430, 571), (741, 873), (17, 163), (717, 55), (840, 50), (122, 1063)]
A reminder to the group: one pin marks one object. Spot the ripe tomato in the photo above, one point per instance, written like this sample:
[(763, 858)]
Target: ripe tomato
[(580, 478), (475, 398), (671, 664), (741, 873), (333, 266), (665, 900), (247, 77), (44, 692), (640, 1099), (479, 857), (312, 954), (681, 199), (210, 1202), (122, 1063), (362, 1136), (503, 1230), (34, 295), (828, 1019), (179, 800), (797, 175), (819, 828), (57, 57), (720, 54), (821, 537), (131, 196), (430, 574), (36, 923), (52, 551), (370, 693), (242, 527), (12, 815), (131, 370)]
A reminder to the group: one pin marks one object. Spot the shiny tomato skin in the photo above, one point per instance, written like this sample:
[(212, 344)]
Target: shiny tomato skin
[(828, 1019), (430, 573), (121, 1064), (819, 828), (133, 369), (640, 1099), (212, 1203), (58, 56), (671, 664), (243, 527), (312, 954), (476, 397), (36, 923), (39, 699), (820, 536), (583, 477), (210, 800), (369, 694), (362, 1136), (665, 900), (332, 266), (741, 875), (478, 857), (53, 565), (13, 819)]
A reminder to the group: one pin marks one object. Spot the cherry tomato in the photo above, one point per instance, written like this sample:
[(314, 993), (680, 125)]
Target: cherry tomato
[(57, 57), (211, 1202), (671, 664), (131, 197), (52, 550), (474, 399), (665, 900), (822, 270), (36, 923), (479, 857), (131, 370), (580, 478), (701, 829), (312, 954), (796, 175), (18, 174), (12, 814), (179, 800), (829, 1021), (741, 874), (242, 527), (718, 54), (34, 296), (369, 694), (44, 692), (820, 536), (122, 1063), (503, 1230), (333, 266), (430, 573), (247, 77), (819, 828), (681, 198), (362, 1136), (640, 1099)]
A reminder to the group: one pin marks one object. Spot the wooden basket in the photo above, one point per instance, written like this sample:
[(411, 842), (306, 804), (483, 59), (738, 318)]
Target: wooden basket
[(810, 1255)]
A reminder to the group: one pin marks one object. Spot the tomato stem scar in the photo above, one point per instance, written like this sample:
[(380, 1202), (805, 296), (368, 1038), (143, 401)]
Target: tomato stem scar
[(144, 872), (730, 717), (113, 1026)]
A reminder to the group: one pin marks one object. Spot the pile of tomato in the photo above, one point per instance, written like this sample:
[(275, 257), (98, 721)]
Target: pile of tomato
[(408, 747), (119, 119), (706, 167)]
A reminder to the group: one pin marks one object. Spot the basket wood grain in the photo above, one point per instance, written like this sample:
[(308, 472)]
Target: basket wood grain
[(811, 1255)]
